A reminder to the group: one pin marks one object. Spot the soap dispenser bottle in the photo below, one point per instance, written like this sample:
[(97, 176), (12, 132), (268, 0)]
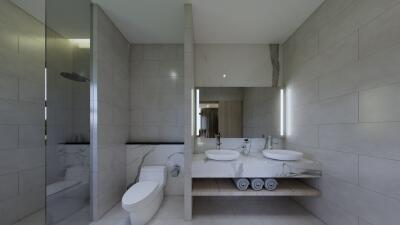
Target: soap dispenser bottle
[(246, 146)]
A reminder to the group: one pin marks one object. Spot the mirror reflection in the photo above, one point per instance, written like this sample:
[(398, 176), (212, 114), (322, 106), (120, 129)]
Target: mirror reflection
[(236, 112)]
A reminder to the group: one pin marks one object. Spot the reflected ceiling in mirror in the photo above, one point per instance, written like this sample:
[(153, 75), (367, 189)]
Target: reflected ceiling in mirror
[(237, 112)]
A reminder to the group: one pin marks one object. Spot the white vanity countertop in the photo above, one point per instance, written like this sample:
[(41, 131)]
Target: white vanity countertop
[(254, 165)]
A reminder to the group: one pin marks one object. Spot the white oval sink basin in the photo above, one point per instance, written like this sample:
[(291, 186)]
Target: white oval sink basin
[(222, 155), (286, 155)]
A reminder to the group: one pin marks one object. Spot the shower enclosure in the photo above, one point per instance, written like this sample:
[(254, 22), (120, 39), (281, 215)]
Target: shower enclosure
[(44, 112), (68, 112)]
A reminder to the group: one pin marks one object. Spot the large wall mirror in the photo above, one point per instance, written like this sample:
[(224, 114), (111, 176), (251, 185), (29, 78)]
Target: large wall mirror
[(237, 112)]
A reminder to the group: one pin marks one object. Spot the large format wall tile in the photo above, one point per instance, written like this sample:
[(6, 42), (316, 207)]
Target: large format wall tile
[(380, 175), (306, 136), (328, 211), (374, 207), (22, 59), (31, 136), (9, 186), (111, 61), (156, 92), (350, 18), (382, 33), (348, 169), (380, 104), (8, 137), (343, 108), (376, 139), (8, 86)]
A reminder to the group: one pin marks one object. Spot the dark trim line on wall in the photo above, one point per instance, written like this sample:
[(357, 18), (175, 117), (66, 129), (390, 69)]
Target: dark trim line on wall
[(154, 143), (75, 143)]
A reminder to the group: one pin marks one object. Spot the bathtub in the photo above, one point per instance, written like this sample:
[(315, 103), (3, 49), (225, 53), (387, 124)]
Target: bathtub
[(68, 196)]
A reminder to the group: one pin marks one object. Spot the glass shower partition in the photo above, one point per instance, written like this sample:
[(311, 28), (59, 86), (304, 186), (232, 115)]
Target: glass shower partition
[(68, 112), (22, 144), (44, 112)]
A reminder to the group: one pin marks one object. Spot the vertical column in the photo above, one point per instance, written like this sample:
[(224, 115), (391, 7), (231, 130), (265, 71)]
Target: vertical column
[(189, 107), (93, 113)]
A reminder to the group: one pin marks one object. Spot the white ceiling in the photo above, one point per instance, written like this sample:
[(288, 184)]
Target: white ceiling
[(161, 21), (34, 8), (249, 21), (215, 21), (147, 21)]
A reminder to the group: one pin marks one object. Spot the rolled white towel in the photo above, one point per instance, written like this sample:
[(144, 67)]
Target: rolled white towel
[(241, 183), (257, 184), (271, 184)]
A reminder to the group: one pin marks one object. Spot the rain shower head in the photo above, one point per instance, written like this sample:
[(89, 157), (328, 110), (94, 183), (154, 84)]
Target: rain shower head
[(75, 77)]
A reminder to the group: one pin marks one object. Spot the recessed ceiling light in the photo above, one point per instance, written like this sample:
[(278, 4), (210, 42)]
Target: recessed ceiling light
[(224, 75)]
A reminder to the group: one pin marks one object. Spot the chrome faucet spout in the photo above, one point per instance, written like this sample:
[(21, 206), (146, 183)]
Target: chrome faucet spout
[(218, 137), (269, 142)]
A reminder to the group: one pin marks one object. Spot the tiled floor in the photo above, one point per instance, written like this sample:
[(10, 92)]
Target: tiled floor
[(80, 217), (34, 219), (222, 211)]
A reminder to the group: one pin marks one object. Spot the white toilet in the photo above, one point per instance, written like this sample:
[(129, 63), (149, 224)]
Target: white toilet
[(143, 199)]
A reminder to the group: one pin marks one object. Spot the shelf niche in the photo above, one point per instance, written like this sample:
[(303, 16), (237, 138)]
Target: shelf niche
[(225, 187)]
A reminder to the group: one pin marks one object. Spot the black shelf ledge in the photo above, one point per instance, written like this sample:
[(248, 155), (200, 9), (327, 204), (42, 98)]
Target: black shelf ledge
[(75, 143), (153, 143)]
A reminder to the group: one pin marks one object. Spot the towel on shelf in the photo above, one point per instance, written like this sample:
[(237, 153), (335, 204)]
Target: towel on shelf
[(271, 184), (241, 183), (256, 184)]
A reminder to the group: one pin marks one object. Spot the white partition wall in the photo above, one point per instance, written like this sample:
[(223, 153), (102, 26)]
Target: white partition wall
[(110, 113)]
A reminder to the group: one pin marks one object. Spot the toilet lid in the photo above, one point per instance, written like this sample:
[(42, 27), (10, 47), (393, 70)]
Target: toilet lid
[(138, 192)]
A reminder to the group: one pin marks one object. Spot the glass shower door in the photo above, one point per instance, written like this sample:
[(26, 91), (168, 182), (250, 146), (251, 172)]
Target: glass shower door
[(68, 113)]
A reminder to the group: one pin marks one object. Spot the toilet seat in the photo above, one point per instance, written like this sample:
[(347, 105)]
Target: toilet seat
[(140, 193)]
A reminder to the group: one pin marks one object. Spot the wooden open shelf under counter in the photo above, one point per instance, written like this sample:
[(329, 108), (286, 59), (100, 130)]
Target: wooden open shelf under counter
[(225, 187)]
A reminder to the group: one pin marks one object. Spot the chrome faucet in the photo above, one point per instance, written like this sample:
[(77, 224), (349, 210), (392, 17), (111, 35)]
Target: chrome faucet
[(268, 142), (218, 137)]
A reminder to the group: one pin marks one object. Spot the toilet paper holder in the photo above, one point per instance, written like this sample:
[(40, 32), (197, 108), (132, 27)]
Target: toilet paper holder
[(176, 170)]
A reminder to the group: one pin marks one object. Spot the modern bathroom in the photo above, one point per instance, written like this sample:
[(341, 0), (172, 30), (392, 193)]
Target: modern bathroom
[(199, 112)]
